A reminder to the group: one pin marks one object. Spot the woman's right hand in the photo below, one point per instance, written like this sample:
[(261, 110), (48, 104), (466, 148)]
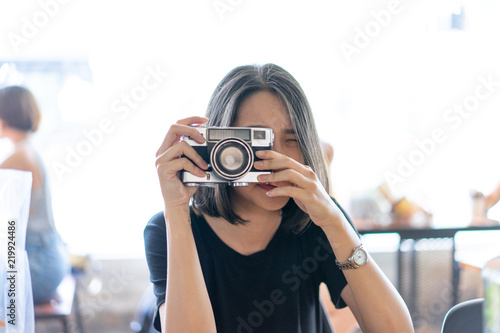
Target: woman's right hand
[(170, 162)]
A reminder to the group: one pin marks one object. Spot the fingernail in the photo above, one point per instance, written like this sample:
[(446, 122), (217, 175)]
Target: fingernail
[(259, 164), (262, 177), (269, 193), (260, 153), (205, 164)]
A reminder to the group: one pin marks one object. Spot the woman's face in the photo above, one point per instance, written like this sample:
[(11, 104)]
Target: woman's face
[(265, 109)]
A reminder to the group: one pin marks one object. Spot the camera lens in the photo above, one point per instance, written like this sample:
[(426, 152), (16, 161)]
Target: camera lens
[(231, 158)]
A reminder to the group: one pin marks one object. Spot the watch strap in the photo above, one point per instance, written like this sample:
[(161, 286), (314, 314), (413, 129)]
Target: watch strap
[(346, 264)]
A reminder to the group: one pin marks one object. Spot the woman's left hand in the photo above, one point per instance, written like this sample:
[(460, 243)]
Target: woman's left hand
[(300, 182)]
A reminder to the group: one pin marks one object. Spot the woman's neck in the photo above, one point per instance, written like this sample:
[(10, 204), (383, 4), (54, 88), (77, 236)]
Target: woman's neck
[(16, 136), (251, 237)]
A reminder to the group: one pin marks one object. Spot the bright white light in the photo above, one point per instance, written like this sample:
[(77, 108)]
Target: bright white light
[(76, 100)]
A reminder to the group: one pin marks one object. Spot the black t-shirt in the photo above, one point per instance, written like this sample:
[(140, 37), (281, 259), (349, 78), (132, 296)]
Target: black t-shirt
[(274, 290)]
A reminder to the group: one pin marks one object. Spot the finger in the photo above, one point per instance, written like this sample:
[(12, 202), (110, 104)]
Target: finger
[(287, 191), (186, 165), (183, 148), (176, 131), (272, 160), (192, 120), (168, 169), (287, 175)]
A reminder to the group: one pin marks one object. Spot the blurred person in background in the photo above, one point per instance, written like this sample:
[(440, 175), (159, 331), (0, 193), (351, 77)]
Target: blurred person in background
[(493, 198), (481, 204), (47, 254)]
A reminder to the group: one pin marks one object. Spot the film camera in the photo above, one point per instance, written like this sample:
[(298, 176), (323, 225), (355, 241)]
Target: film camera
[(230, 154)]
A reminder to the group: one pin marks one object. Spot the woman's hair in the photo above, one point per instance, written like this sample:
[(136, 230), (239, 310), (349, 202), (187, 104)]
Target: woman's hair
[(19, 109), (239, 84)]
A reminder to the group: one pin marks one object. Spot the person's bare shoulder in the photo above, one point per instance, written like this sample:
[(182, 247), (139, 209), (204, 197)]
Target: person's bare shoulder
[(21, 159), (18, 160)]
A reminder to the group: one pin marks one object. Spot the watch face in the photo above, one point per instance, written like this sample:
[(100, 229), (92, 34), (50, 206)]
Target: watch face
[(360, 257)]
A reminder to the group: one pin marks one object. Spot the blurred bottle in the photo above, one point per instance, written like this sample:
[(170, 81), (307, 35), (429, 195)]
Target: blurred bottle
[(491, 280), (478, 205)]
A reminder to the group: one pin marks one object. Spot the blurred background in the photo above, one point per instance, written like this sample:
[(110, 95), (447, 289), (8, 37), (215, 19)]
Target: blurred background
[(406, 92)]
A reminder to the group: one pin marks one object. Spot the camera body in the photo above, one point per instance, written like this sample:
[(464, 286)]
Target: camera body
[(230, 154)]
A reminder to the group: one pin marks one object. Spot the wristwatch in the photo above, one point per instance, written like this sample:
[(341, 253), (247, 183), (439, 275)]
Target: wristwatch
[(358, 258)]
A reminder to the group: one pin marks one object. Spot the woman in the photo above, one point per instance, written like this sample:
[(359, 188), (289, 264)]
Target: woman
[(19, 118), (251, 259)]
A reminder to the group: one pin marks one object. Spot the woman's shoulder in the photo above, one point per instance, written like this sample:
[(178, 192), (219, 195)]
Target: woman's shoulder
[(23, 158), (155, 232), (19, 159), (158, 220), (156, 229)]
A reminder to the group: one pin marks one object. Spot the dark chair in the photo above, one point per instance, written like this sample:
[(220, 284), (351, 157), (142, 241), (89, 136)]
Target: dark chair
[(61, 305), (143, 318), (465, 317)]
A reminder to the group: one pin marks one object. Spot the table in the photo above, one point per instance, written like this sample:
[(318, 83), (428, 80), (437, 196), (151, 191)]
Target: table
[(426, 233)]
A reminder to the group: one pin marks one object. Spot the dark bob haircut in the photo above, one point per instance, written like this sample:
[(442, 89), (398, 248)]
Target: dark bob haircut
[(19, 109), (238, 84)]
